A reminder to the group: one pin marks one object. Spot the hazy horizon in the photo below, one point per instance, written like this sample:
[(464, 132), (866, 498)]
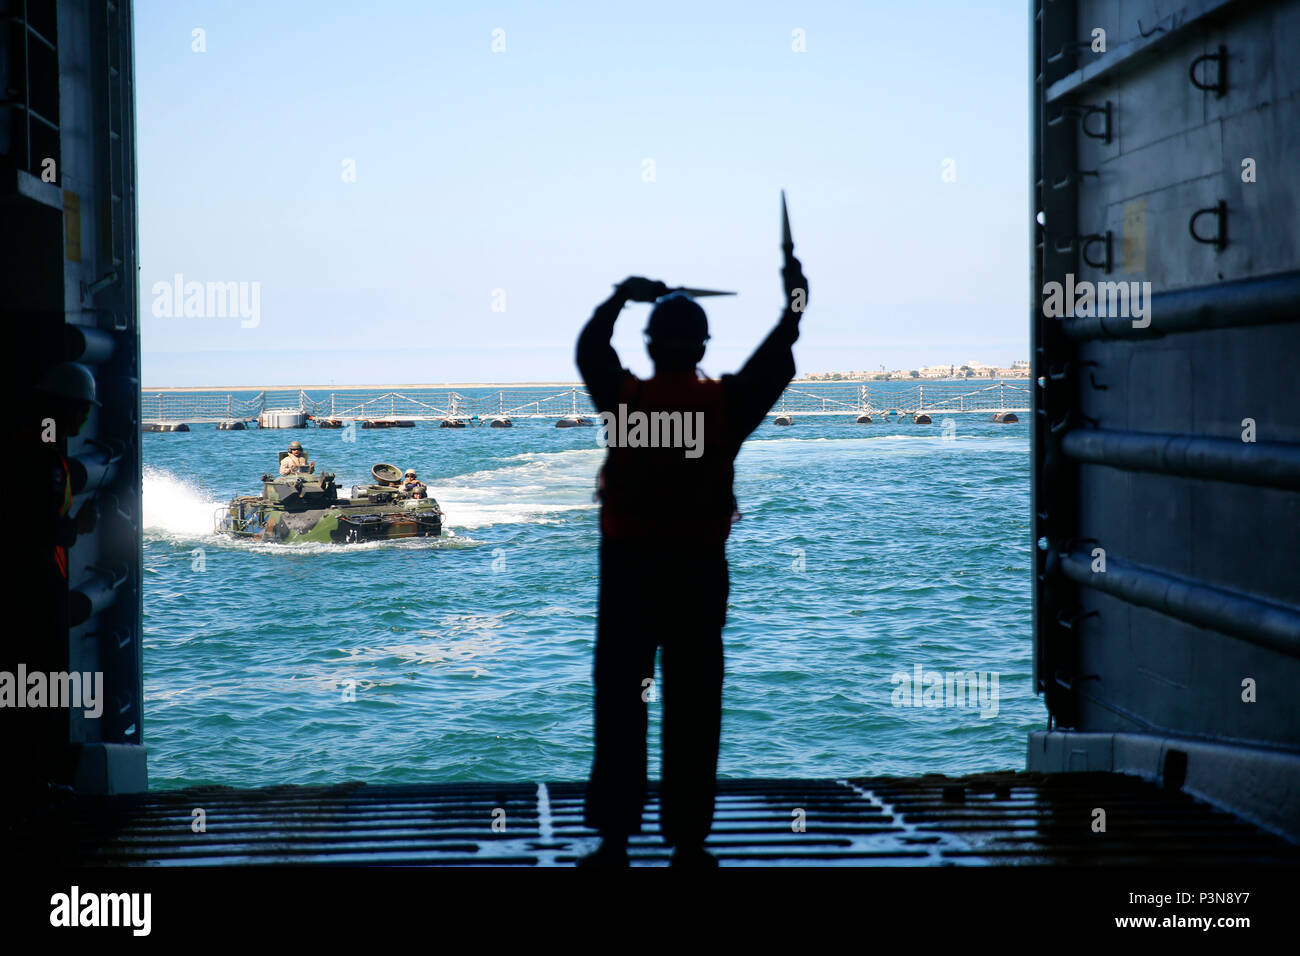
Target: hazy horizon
[(573, 379), (383, 184)]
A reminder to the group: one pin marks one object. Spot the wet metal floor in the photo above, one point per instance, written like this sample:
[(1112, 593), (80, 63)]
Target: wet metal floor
[(1001, 818)]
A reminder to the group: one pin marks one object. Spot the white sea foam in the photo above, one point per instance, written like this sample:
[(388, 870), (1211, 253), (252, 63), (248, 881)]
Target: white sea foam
[(531, 489), (176, 508)]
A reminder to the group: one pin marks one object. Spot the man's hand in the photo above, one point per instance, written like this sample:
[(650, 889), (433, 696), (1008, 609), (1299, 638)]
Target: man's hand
[(796, 286), (639, 289)]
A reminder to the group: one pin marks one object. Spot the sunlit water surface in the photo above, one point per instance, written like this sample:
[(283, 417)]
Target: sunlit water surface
[(865, 550)]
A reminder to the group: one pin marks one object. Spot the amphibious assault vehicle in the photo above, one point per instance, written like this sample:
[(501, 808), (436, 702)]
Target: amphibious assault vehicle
[(307, 507)]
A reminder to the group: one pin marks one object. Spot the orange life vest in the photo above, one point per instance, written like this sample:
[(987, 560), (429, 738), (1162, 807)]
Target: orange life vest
[(647, 492)]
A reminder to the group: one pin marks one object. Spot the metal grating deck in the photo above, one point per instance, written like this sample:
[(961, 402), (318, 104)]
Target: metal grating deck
[(1003, 818)]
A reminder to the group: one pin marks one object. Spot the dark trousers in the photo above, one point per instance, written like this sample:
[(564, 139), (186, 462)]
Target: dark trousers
[(652, 595)]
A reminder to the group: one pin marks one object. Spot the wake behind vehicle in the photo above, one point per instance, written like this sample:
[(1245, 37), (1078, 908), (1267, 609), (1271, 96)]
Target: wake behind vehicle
[(307, 507)]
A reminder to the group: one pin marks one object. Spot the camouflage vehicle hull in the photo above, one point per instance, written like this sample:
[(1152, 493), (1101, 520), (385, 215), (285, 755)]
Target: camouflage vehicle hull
[(306, 508)]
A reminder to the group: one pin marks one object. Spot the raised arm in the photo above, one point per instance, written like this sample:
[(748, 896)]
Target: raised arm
[(598, 363), (756, 387)]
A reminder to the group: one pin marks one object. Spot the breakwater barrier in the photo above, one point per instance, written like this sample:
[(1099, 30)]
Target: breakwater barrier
[(291, 408)]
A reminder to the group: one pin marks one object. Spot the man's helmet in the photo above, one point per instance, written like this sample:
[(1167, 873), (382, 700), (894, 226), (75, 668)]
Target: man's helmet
[(677, 321), (295, 446), (69, 380)]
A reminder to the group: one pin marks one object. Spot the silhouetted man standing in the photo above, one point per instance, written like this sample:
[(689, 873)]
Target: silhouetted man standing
[(667, 509)]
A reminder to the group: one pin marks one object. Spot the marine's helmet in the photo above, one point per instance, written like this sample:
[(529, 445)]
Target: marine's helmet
[(677, 321), (69, 380), (295, 446), (410, 473)]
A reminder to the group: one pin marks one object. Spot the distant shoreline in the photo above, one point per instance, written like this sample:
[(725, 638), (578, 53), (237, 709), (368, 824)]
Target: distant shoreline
[(390, 388), (352, 388)]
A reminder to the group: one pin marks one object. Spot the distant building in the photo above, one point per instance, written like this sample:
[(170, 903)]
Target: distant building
[(1017, 369), (938, 371)]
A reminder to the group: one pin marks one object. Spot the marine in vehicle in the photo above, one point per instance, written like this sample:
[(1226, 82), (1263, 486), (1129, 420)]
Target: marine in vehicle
[(305, 506), (412, 485), (294, 461)]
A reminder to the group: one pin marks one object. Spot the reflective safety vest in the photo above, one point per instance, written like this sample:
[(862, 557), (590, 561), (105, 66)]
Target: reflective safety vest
[(65, 506), (649, 491)]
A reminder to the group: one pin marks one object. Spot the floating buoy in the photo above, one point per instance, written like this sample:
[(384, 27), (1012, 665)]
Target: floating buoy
[(783, 420), (864, 419), (164, 427), (573, 421), (282, 418), (1006, 418), (920, 418), (231, 425), (388, 423), (452, 423), (329, 423), (500, 423)]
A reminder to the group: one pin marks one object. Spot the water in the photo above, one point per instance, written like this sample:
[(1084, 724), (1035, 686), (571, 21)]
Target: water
[(865, 550)]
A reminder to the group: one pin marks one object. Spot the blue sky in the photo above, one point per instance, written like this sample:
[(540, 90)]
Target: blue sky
[(524, 171)]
